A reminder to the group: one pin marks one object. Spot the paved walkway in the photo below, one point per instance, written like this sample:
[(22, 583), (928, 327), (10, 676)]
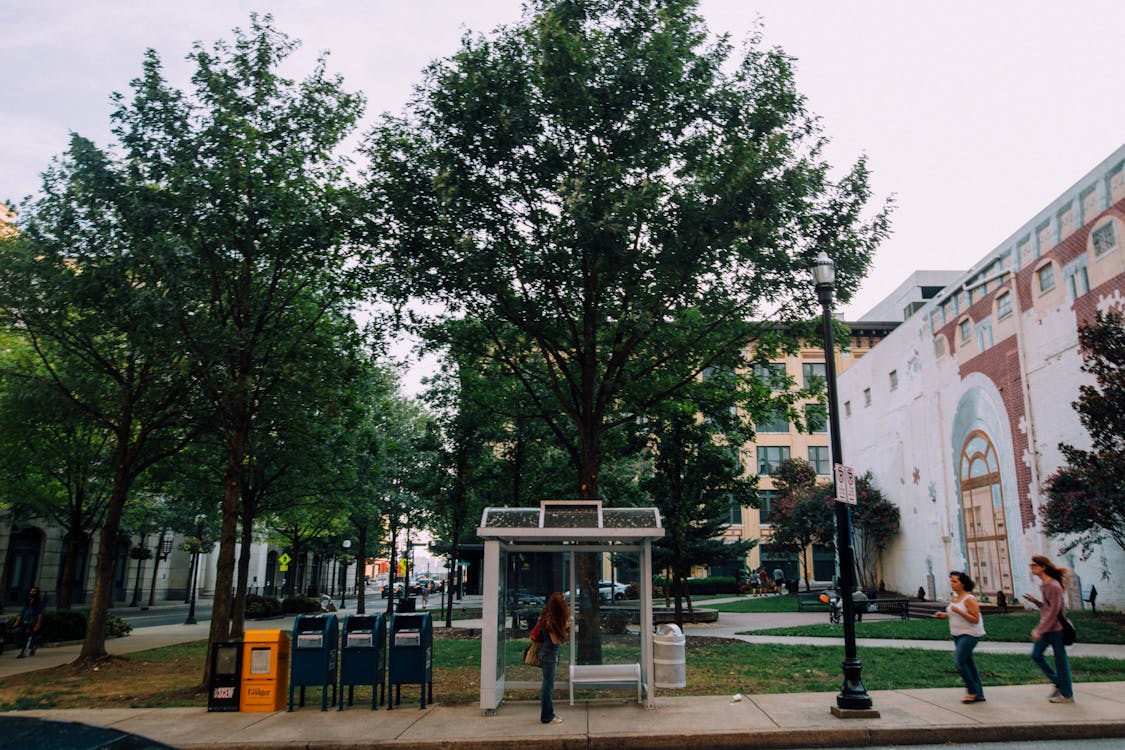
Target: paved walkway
[(768, 721)]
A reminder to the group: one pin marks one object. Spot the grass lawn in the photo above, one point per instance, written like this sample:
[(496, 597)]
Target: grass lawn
[(170, 676), (1105, 627)]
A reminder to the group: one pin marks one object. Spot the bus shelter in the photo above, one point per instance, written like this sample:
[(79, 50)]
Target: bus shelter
[(531, 552)]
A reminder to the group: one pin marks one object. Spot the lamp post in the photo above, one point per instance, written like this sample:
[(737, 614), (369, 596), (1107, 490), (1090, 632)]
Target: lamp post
[(854, 695), (347, 545), (194, 575)]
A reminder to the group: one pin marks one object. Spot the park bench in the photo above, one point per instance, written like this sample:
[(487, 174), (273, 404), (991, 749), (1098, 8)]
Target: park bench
[(599, 676), (900, 607), (810, 600)]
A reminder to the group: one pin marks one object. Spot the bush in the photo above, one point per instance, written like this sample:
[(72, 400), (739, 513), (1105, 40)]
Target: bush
[(258, 607), (300, 605), (696, 586), (69, 625)]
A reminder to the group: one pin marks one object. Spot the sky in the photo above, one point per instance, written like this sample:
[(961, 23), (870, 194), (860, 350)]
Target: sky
[(973, 115)]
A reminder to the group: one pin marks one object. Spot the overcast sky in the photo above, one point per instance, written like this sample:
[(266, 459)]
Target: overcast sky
[(973, 115)]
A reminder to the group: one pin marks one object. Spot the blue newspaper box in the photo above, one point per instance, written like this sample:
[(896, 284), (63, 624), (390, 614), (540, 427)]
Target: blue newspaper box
[(411, 658), (316, 640), (363, 657)]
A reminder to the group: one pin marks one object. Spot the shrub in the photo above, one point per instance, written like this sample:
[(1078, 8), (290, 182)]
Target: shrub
[(299, 605), (258, 607)]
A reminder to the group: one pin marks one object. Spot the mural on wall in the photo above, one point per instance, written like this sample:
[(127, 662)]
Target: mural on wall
[(984, 527)]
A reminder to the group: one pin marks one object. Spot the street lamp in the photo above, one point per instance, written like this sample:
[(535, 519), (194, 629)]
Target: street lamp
[(200, 519), (854, 695), (347, 545)]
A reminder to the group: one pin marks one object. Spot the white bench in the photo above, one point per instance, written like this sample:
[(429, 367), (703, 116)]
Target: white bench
[(604, 676)]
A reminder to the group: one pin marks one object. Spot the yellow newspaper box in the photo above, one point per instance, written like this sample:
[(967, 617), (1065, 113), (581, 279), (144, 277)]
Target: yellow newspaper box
[(265, 670)]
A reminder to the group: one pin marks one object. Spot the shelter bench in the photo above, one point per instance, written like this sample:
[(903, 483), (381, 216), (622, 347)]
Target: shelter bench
[(604, 676), (810, 599)]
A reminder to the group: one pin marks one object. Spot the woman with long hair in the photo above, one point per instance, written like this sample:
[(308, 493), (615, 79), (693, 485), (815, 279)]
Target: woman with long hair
[(966, 625), (555, 622), (1052, 583)]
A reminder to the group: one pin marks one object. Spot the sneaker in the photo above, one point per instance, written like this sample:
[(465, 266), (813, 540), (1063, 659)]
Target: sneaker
[(22, 654), (1060, 699), (555, 720), (1054, 691)]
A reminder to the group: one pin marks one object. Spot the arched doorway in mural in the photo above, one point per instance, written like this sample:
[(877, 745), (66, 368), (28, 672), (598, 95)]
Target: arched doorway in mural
[(983, 525), (22, 567)]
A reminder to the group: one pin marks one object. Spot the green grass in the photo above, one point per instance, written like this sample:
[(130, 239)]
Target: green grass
[(1106, 627), (778, 603)]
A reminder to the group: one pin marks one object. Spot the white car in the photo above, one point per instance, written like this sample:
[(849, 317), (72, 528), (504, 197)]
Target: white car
[(612, 591)]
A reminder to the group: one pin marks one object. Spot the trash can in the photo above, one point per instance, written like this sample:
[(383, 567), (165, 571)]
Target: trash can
[(226, 676), (363, 657), (316, 640), (265, 670), (669, 667), (411, 657)]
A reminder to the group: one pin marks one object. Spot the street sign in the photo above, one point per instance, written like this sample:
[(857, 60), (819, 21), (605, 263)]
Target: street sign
[(845, 484), (283, 561)]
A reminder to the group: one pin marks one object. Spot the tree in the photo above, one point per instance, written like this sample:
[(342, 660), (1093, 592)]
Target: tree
[(875, 522), (803, 514), (249, 218), (597, 190), (1086, 497), (79, 285), (617, 202), (697, 476)]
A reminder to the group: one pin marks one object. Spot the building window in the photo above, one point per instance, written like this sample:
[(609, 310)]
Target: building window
[(1004, 305), (821, 460), (774, 421), (966, 327), (1104, 239), (1046, 276), (769, 456), (939, 346), (847, 408), (894, 380), (816, 417), (772, 375), (867, 397), (814, 374), (984, 335), (766, 499), (735, 513), (1077, 281)]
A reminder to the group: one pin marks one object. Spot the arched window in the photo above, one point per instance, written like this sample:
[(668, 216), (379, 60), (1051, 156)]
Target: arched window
[(983, 525)]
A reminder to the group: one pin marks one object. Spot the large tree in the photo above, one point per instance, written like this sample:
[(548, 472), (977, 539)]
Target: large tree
[(247, 203), (1086, 497), (802, 515), (615, 200)]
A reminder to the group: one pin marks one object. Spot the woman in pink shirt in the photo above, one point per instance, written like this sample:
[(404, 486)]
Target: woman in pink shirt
[(1048, 632)]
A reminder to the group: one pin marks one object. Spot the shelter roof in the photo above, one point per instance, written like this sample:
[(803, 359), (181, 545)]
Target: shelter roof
[(571, 521)]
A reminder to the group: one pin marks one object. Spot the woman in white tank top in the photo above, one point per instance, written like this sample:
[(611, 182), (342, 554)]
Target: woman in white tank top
[(966, 625)]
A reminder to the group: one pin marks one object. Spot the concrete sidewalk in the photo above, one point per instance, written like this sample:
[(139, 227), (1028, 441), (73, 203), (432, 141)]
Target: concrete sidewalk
[(767, 721)]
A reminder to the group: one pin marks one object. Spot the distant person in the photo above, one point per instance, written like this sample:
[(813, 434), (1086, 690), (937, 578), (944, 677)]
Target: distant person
[(425, 595), (1093, 599), (921, 594), (1002, 601), (778, 578), (555, 621), (29, 621), (763, 578), (1052, 583), (966, 625)]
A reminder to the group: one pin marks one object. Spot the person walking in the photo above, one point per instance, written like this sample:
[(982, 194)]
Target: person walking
[(966, 625), (1052, 582), (28, 621), (555, 622)]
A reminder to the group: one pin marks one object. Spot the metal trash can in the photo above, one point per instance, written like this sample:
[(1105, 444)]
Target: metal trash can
[(669, 666)]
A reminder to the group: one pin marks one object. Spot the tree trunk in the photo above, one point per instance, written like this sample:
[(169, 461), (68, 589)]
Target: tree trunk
[(93, 645), (70, 561), (238, 607), (361, 571), (224, 574)]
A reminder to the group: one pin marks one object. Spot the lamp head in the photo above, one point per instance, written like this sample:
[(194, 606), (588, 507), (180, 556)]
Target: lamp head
[(823, 271), (347, 544)]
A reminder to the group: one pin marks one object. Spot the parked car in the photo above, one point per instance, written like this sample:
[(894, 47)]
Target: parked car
[(612, 590)]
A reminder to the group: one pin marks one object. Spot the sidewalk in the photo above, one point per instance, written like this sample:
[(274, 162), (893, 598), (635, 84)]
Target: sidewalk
[(1019, 712)]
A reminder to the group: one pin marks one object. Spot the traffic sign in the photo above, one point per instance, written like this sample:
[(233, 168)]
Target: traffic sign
[(285, 559), (845, 484)]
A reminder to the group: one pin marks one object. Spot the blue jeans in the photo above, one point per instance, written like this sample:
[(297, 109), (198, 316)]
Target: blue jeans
[(549, 657), (1060, 675), (963, 646)]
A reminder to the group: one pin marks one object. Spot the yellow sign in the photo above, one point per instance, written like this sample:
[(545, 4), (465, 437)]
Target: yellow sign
[(284, 559)]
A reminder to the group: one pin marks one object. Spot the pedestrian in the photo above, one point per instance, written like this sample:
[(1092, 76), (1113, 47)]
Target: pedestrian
[(1052, 582), (778, 578), (29, 621), (1002, 601), (966, 625), (426, 595), (555, 622)]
